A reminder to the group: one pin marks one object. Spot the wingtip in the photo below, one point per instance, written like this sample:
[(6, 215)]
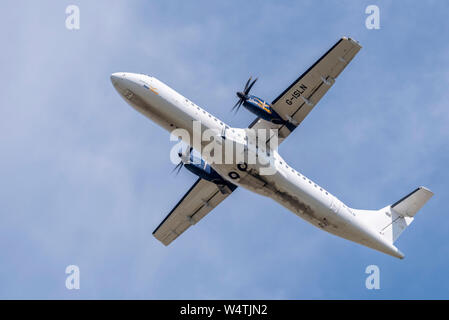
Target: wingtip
[(352, 40), (426, 189)]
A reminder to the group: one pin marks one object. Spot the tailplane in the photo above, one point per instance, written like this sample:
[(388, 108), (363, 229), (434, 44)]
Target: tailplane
[(392, 220)]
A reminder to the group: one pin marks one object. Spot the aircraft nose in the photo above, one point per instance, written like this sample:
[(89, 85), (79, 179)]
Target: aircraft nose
[(115, 77)]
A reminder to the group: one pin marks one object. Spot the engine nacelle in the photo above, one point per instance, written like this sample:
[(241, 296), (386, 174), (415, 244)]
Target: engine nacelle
[(262, 109), (203, 170)]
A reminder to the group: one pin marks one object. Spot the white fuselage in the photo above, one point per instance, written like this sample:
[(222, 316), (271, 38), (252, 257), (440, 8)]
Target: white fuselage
[(286, 186)]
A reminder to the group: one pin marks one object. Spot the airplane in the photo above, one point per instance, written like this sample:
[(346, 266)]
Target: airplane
[(376, 229)]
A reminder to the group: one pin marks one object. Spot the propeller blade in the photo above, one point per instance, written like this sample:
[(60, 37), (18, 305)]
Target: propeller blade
[(243, 95), (250, 86), (178, 166), (247, 83), (235, 106)]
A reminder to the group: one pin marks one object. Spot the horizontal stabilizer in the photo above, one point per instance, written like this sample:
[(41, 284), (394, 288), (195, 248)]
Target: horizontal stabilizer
[(411, 203), (392, 220)]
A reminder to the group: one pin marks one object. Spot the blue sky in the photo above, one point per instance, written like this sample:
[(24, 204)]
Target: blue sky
[(85, 179)]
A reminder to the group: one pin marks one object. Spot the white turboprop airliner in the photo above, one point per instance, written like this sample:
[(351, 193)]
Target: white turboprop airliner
[(377, 229)]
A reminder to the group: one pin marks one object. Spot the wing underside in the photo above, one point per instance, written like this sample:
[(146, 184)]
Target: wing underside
[(295, 103), (202, 197)]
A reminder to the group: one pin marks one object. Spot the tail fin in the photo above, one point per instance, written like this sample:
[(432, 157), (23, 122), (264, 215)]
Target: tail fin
[(392, 220)]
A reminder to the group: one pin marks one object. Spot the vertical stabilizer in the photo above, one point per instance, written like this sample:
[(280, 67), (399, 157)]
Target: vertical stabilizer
[(392, 220)]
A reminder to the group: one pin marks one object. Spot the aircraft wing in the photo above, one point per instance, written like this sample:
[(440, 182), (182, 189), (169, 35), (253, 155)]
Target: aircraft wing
[(304, 93), (202, 197)]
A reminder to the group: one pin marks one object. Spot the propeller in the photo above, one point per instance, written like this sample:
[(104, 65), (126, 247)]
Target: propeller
[(243, 95), (183, 158)]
